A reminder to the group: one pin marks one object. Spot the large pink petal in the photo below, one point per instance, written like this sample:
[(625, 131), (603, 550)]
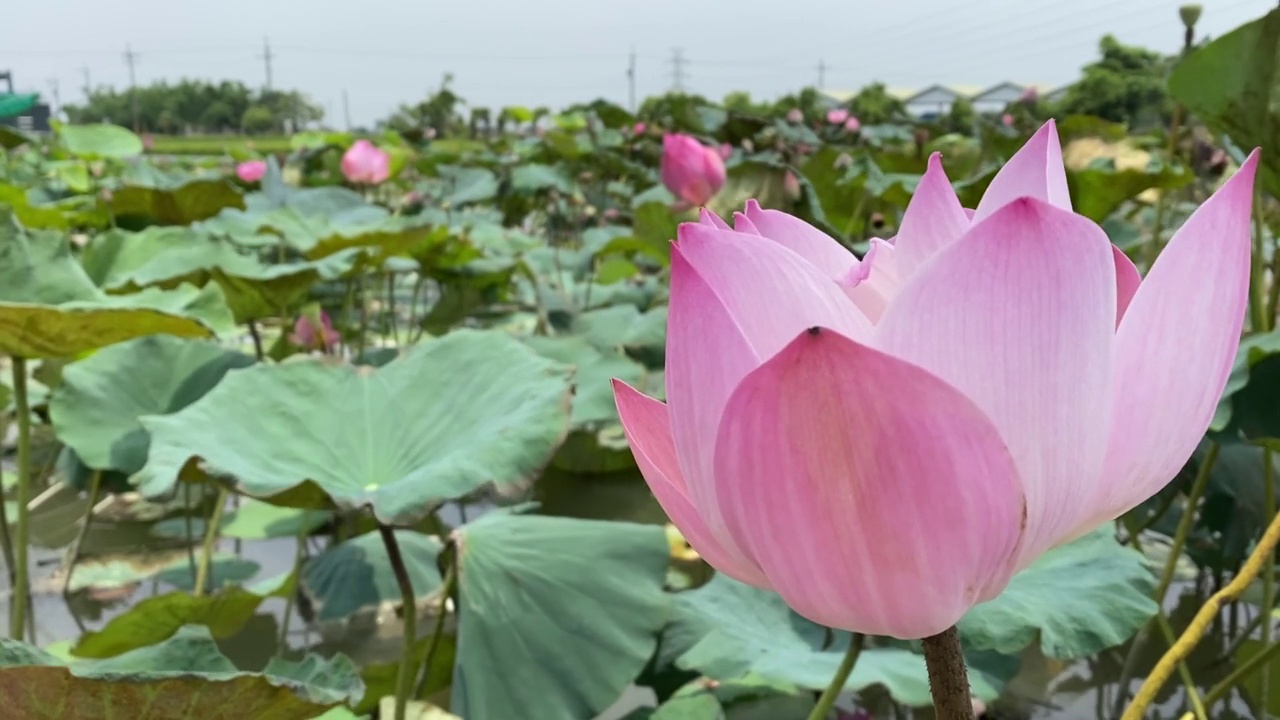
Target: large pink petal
[(875, 497), (1034, 171), (933, 219), (1127, 281), (649, 434), (736, 299), (1019, 314), (801, 238), (1175, 347)]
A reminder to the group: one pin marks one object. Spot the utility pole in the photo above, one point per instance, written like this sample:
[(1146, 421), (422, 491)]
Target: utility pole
[(57, 100), (631, 79), (267, 56), (88, 86), (346, 109), (822, 73), (678, 61), (130, 59)]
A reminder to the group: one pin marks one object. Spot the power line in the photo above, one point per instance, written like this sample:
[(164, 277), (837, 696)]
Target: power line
[(57, 99), (678, 62)]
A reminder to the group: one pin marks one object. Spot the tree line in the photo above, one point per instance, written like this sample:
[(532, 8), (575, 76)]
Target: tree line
[(198, 106)]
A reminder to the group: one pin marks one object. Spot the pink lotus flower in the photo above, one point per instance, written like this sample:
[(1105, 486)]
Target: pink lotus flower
[(852, 125), (638, 128), (251, 171), (837, 116), (1006, 120), (693, 172), (795, 116), (365, 163), (1029, 96), (984, 387), (304, 333), (726, 151)]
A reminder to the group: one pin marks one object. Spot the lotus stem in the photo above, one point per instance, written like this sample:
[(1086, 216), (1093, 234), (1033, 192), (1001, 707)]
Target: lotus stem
[(1257, 272), (299, 552), (1204, 618), (1242, 671), (191, 535), (1187, 520), (406, 674), (18, 618), (73, 554), (446, 589), (257, 340), (6, 537), (948, 676), (828, 698), (210, 539), (1268, 570)]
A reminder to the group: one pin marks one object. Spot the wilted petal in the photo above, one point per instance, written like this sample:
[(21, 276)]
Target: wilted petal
[(1127, 281), (1034, 171), (801, 238), (933, 219), (1019, 314), (875, 497), (649, 434), (1176, 345)]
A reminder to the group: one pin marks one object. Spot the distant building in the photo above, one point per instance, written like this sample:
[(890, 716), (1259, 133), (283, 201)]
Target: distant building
[(935, 100), (22, 111)]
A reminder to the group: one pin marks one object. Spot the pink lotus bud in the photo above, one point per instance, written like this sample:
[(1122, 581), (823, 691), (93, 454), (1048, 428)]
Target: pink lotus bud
[(1029, 96), (639, 128), (791, 185), (693, 172), (1006, 120), (365, 163), (795, 116), (304, 333), (837, 116), (726, 151), (611, 214), (251, 171), (970, 368), (852, 125), (148, 142)]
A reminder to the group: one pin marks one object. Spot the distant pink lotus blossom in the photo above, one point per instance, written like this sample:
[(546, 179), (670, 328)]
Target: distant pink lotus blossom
[(852, 125), (693, 172), (1011, 365), (304, 333), (837, 116), (639, 128), (365, 163), (791, 185), (1006, 120), (795, 116), (1029, 96), (251, 171), (148, 142), (726, 150)]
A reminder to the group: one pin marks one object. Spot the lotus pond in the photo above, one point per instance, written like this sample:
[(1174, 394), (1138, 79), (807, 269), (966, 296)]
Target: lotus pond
[(283, 445)]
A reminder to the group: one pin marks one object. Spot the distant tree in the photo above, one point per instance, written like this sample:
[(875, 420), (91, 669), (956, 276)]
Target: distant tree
[(439, 112), (874, 105), (195, 105), (740, 101), (1126, 85), (961, 118), (809, 101), (257, 120)]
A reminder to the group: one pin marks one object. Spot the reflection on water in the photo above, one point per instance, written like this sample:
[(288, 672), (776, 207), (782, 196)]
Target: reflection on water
[(1044, 688)]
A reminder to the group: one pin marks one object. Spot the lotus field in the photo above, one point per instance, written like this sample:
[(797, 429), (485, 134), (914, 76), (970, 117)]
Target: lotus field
[(693, 413)]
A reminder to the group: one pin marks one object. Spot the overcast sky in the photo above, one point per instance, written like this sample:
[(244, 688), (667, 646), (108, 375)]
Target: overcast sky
[(556, 52)]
